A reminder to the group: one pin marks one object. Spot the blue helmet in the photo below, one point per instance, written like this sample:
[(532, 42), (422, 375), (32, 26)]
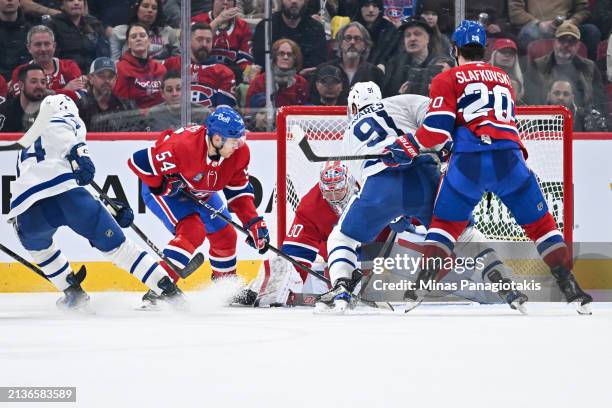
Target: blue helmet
[(225, 122), (469, 32)]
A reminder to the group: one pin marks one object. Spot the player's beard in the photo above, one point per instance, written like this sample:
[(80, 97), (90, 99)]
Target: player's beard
[(292, 13), (36, 96), (201, 55)]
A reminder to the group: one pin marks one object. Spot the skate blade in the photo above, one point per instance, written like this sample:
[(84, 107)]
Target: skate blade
[(148, 307), (339, 308), (517, 305), (583, 310), (413, 304), (85, 309)]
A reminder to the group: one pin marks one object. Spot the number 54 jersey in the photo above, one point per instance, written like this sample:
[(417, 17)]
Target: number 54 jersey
[(478, 97)]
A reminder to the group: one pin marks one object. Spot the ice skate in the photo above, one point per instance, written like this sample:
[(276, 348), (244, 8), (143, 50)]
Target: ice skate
[(337, 300), (515, 298), (572, 291), (172, 294), (150, 302), (75, 298)]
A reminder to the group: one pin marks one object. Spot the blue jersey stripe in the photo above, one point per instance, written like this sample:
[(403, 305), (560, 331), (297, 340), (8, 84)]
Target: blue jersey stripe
[(40, 187), (135, 264), (60, 270), (149, 272), (48, 261)]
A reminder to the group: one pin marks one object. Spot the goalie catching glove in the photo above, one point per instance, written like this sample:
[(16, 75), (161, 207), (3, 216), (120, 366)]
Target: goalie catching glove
[(259, 237), (401, 152), (82, 166)]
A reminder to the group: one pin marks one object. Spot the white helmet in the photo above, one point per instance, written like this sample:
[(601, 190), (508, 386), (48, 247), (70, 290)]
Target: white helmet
[(58, 105), (361, 95)]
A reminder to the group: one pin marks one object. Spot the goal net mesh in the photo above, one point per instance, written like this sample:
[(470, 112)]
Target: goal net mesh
[(542, 134)]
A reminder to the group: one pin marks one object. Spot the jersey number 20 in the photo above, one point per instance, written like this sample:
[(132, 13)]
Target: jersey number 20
[(500, 99)]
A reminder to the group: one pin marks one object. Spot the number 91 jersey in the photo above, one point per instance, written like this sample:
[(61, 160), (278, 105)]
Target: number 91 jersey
[(477, 96), (377, 126)]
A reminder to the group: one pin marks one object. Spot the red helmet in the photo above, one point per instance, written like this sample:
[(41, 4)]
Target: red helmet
[(334, 182)]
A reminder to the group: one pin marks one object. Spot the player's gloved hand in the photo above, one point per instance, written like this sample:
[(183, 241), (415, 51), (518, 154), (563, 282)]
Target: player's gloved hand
[(401, 224), (259, 237), (445, 152), (121, 212), (169, 187), (82, 166), (401, 152)]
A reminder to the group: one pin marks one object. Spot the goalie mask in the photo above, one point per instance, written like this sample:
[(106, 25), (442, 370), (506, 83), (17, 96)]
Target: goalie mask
[(362, 94), (336, 184)]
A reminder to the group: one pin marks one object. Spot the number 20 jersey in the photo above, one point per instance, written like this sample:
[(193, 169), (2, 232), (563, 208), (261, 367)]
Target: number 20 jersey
[(477, 96)]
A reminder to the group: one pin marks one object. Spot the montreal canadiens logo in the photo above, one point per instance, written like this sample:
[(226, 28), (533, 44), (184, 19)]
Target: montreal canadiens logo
[(201, 94)]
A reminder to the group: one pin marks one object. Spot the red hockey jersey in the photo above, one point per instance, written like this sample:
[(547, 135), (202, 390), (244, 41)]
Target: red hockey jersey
[(233, 43), (211, 85), (139, 83), (185, 152), (477, 96), (313, 222), (64, 71)]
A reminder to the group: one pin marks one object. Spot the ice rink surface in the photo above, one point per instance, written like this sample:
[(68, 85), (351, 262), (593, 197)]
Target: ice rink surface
[(214, 356)]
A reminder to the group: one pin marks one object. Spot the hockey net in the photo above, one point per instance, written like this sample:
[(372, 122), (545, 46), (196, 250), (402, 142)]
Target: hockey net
[(545, 131)]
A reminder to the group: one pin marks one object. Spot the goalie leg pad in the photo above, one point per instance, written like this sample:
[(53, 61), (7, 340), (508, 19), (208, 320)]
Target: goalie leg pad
[(139, 263), (275, 280), (342, 258), (54, 264), (223, 251)]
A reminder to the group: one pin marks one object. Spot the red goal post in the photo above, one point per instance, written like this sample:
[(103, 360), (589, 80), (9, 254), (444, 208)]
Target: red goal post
[(545, 130)]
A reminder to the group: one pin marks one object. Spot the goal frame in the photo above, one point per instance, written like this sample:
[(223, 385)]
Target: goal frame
[(281, 158)]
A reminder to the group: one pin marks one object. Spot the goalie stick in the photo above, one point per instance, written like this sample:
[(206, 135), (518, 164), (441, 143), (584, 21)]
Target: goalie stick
[(313, 157), (191, 266), (80, 275), (218, 213)]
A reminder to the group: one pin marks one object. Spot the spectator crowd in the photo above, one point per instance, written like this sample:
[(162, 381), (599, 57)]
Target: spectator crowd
[(120, 59)]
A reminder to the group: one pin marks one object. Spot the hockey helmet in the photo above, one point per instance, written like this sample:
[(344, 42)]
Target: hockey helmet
[(335, 182), (227, 123), (58, 105), (469, 32), (361, 95)]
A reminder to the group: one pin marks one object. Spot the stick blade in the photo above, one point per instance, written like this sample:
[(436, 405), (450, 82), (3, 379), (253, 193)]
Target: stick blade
[(192, 266)]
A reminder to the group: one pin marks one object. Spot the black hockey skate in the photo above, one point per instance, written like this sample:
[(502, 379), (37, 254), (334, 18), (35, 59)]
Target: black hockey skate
[(571, 290), (515, 298), (150, 302), (171, 293), (75, 298), (340, 298)]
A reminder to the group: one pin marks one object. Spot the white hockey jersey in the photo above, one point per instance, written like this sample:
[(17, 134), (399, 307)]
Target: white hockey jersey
[(42, 168), (377, 126)]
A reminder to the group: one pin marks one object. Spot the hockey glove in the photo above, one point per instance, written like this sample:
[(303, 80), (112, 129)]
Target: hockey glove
[(121, 212), (401, 152), (82, 166), (169, 187), (259, 237), (402, 224)]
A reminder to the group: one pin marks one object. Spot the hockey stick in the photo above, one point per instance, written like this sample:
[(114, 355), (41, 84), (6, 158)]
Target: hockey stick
[(11, 147), (218, 213), (384, 252), (191, 266), (80, 275), (313, 157)]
